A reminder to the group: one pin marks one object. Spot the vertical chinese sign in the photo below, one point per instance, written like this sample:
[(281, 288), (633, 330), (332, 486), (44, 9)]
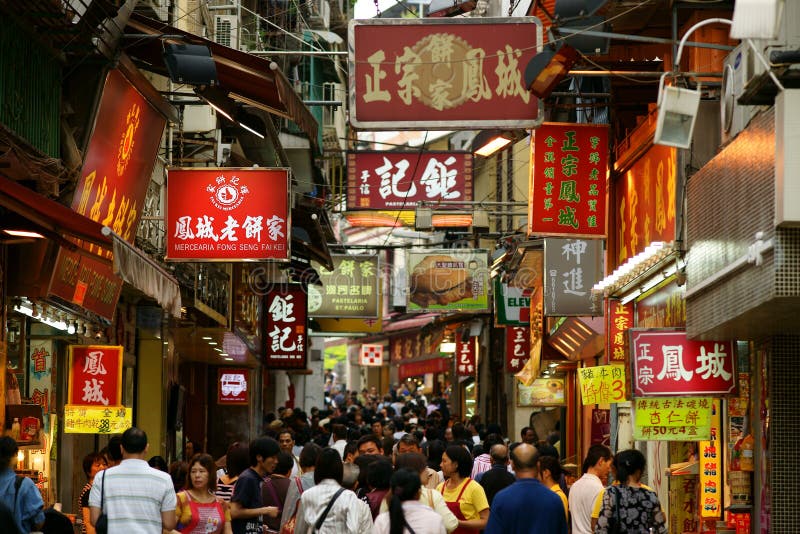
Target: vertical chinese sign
[(620, 319), (434, 73), (518, 348), (232, 386), (465, 355), (571, 268), (351, 290), (287, 328), (603, 384), (569, 173), (371, 356), (227, 214), (94, 391), (40, 372), (711, 467)]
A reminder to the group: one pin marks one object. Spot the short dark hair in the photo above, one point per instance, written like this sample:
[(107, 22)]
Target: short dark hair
[(134, 440), (156, 462), (596, 453), (88, 462), (264, 447), (461, 457), (329, 465), (370, 438), (237, 459), (114, 449), (409, 439), (285, 463), (551, 464), (379, 473), (207, 463), (285, 431), (524, 431), (492, 440), (411, 460), (309, 455), (339, 431), (628, 462), (8, 449)]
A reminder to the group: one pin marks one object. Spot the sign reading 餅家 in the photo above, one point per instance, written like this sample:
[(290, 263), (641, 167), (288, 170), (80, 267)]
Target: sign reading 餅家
[(620, 319), (232, 386), (227, 214), (665, 362), (518, 348), (448, 279), (603, 384), (399, 180), (371, 355), (286, 327), (454, 73), (569, 168), (672, 419), (95, 375), (465, 357), (350, 290), (571, 268)]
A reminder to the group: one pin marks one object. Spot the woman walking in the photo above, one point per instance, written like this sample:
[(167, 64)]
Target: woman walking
[(199, 511), (406, 514), (465, 497)]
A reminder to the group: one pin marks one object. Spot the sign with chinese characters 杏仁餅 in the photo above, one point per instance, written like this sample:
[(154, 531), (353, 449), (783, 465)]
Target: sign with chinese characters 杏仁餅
[(95, 375), (569, 171), (400, 180), (371, 356), (97, 419), (232, 386), (571, 268), (620, 319), (429, 73), (603, 384), (466, 361), (518, 348), (227, 214), (665, 362), (286, 338), (672, 419), (351, 290), (448, 279)]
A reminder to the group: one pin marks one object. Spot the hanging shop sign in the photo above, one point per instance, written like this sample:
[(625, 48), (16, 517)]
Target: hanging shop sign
[(465, 73), (97, 419), (401, 180), (371, 356), (248, 304), (664, 308), (672, 419), (665, 362), (227, 214), (571, 268), (424, 367), (232, 386), (600, 433), (542, 392), (569, 173), (466, 360), (620, 319), (351, 290), (512, 304), (448, 279), (603, 384), (405, 347), (95, 375), (710, 458), (40, 377), (287, 327), (518, 348)]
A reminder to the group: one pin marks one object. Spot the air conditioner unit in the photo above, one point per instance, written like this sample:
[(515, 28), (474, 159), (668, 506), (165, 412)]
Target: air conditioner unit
[(199, 119), (740, 67), (226, 30)]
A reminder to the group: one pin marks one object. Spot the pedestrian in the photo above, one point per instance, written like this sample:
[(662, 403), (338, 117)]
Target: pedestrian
[(584, 491), (483, 462), (406, 513), (286, 443), (237, 459), (274, 488), (410, 444), (429, 497), (550, 474), (498, 477), (247, 508), (379, 476), (526, 506), (93, 463), (158, 462), (21, 505), (465, 497), (198, 510), (308, 464), (630, 507), (134, 496)]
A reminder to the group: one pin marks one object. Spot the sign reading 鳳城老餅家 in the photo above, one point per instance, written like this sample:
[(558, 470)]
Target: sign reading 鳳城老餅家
[(351, 290), (232, 386), (95, 375), (465, 73), (287, 342), (227, 214), (665, 362), (569, 171)]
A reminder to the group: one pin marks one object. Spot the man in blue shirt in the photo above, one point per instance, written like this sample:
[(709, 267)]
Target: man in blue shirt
[(27, 507), (526, 506)]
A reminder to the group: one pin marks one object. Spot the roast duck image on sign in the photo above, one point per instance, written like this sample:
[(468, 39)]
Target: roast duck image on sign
[(448, 281)]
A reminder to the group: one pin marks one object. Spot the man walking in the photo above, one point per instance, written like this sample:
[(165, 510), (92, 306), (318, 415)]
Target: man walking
[(497, 478), (526, 506), (584, 491), (247, 505), (135, 497)]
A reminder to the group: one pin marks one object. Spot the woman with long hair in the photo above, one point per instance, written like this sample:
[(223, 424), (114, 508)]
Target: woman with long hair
[(406, 514), (199, 511), (630, 507), (464, 497)]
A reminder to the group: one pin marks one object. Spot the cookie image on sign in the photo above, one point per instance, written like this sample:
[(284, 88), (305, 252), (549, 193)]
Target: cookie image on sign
[(440, 279)]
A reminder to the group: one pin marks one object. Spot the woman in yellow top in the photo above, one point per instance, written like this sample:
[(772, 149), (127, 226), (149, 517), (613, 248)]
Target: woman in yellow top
[(463, 496), (199, 511), (549, 474)]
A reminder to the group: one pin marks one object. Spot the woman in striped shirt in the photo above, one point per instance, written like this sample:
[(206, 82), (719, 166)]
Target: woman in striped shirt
[(237, 460)]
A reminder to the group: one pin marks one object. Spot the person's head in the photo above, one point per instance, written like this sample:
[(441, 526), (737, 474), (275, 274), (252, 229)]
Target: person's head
[(549, 469), (286, 440), (499, 454), (545, 449), (339, 432), (370, 444), (237, 459), (405, 485), (524, 457), (528, 435), (308, 457), (189, 450), (448, 434), (630, 466), (114, 451), (8, 452), (95, 462), (408, 443), (264, 455), (284, 465), (350, 474), (414, 461), (202, 473), (379, 473), (158, 462), (598, 461), (456, 461), (492, 440), (178, 471), (329, 466), (377, 428), (134, 443)]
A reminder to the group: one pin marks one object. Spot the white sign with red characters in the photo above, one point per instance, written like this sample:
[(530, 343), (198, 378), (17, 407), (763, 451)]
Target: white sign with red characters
[(465, 353), (287, 314), (227, 214), (231, 386), (371, 355), (95, 375)]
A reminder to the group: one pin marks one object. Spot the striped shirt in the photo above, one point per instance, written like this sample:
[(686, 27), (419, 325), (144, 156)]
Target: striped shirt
[(225, 491), (135, 495)]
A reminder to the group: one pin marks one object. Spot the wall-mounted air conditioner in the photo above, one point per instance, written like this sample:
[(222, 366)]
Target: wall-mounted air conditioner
[(226, 30), (739, 68)]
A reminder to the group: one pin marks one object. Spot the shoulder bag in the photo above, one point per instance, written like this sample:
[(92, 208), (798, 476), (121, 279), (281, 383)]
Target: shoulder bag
[(321, 520), (289, 526), (101, 525)]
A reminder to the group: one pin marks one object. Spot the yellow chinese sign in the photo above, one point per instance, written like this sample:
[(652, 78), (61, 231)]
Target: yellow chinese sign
[(672, 419), (97, 419), (604, 384), (710, 453)]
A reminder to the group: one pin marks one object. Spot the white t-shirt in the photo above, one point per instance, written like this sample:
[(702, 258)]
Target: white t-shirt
[(582, 495)]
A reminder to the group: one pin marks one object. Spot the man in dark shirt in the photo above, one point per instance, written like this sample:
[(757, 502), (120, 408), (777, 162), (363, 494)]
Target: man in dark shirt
[(247, 506), (498, 476)]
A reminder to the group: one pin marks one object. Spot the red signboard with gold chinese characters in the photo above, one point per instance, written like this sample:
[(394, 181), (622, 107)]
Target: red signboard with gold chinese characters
[(465, 357), (518, 348), (447, 73), (95, 375), (400, 180), (287, 340), (620, 319), (569, 171), (665, 362), (232, 386), (227, 214)]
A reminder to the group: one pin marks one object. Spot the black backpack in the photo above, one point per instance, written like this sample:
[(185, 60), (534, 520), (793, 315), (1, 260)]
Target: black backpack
[(56, 523), (7, 512)]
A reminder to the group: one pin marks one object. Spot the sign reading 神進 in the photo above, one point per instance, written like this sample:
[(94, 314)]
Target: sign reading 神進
[(227, 214), (571, 268), (286, 327), (448, 73), (673, 419), (95, 375), (350, 290)]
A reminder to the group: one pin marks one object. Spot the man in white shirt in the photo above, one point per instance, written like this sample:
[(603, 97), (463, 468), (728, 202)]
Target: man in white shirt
[(339, 435), (584, 491)]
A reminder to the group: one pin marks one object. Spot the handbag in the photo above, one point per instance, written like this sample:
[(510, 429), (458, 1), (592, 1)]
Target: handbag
[(101, 525), (321, 520), (291, 524)]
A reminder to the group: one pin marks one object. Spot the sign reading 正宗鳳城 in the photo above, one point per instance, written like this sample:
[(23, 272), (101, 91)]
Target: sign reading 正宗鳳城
[(569, 171), (227, 214), (466, 362), (672, 419), (620, 319), (665, 362), (518, 348), (286, 327), (427, 73), (448, 279), (400, 180), (351, 290), (571, 268), (603, 384), (97, 419), (371, 355), (95, 375), (232, 386)]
